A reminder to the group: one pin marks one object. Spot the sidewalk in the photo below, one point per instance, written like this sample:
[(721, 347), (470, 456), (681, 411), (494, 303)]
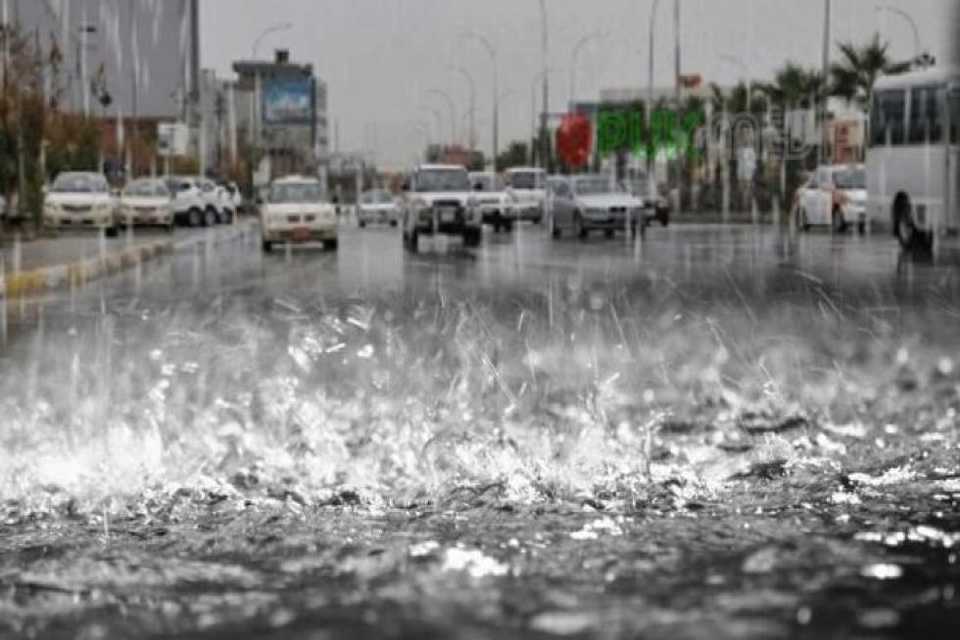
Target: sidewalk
[(31, 268)]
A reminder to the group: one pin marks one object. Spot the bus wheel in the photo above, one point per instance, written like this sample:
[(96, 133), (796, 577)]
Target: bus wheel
[(903, 226)]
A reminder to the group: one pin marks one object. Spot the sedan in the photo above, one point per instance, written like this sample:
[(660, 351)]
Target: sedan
[(586, 203), (378, 207), (147, 201), (80, 200), (834, 196)]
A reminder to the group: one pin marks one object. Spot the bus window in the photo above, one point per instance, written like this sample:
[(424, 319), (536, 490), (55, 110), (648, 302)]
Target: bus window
[(887, 121), (926, 122), (953, 104)]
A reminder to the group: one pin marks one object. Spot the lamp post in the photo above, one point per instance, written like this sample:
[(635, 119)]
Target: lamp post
[(545, 53), (453, 112), (918, 45), (492, 52), (651, 162), (473, 104), (575, 56)]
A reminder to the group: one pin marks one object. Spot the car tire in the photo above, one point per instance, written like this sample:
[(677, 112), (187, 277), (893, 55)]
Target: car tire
[(210, 218), (609, 233), (837, 223), (331, 245), (664, 219), (195, 218), (393, 223), (508, 226), (802, 221), (267, 246), (413, 241), (579, 230), (862, 228), (112, 232), (472, 237), (362, 224)]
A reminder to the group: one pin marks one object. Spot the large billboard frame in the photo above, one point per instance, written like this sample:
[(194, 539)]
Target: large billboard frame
[(289, 101)]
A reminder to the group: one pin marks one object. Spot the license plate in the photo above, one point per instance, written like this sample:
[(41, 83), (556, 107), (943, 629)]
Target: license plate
[(301, 234)]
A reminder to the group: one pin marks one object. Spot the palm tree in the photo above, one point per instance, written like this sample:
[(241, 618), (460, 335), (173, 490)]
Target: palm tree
[(854, 76)]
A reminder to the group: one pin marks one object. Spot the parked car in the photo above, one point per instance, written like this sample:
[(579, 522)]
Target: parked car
[(378, 207), (586, 203), (191, 205), (80, 200), (496, 207), (438, 200), (236, 196), (655, 206), (295, 211), (526, 187), (220, 198), (834, 195), (147, 202)]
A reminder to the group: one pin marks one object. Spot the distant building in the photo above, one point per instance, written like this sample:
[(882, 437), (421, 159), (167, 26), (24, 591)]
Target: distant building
[(281, 110)]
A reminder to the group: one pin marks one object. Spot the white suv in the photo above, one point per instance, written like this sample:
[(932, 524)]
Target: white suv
[(526, 187), (192, 206), (438, 200)]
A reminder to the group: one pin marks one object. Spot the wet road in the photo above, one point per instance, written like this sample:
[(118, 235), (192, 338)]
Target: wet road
[(713, 432)]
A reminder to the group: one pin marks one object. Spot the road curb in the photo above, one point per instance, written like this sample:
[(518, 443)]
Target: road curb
[(75, 274)]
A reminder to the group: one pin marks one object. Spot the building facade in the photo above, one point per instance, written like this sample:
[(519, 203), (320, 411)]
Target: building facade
[(142, 54), (281, 115)]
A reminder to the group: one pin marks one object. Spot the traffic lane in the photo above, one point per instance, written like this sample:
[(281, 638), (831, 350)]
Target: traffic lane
[(702, 264)]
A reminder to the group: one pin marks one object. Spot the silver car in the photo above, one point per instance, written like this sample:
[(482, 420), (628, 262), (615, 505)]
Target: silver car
[(586, 203)]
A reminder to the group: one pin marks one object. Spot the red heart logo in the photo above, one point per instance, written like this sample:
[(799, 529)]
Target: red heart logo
[(574, 140)]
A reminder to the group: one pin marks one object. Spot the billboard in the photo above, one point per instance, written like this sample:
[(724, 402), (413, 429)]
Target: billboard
[(288, 101)]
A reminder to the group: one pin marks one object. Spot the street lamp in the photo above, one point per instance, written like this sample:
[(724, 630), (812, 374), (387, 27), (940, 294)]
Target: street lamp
[(918, 45), (453, 112), (575, 56), (473, 104), (545, 52), (492, 52), (652, 165)]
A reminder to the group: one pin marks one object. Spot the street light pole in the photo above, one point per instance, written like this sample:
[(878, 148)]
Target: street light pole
[(575, 56), (822, 103), (492, 52), (473, 104), (918, 44), (651, 162), (545, 52), (453, 113), (438, 118)]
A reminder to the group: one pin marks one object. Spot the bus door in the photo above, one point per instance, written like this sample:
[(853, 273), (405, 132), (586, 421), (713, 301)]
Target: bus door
[(952, 183)]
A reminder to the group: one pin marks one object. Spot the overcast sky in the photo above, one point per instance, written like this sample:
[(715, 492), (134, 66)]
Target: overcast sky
[(382, 57)]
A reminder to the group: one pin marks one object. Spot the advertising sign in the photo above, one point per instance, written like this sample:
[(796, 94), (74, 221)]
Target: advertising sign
[(288, 101), (173, 138)]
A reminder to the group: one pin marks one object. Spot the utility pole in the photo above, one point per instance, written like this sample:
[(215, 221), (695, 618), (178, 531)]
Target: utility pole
[(822, 98), (545, 115)]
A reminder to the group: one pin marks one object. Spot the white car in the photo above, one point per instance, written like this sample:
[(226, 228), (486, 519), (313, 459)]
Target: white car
[(146, 201), (496, 207), (438, 201), (192, 206), (296, 211), (835, 196), (378, 207), (586, 203), (220, 198), (80, 200), (527, 189)]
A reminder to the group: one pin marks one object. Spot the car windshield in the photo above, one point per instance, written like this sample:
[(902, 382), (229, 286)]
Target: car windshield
[(146, 188), (526, 180), (593, 186), (376, 197), (433, 180), (851, 179), (80, 183), (295, 193)]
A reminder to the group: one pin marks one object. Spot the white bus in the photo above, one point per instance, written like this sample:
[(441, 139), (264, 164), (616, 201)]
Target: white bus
[(913, 159)]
